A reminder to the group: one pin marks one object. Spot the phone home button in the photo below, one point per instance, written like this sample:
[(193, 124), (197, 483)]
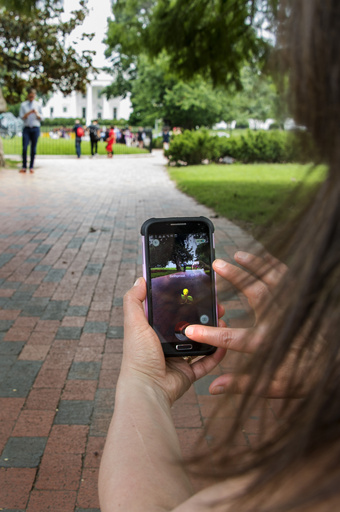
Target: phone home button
[(184, 346)]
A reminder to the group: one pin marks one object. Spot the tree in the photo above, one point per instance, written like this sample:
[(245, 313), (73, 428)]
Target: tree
[(181, 254), (178, 253), (148, 90), (33, 50), (257, 99), (18, 5), (193, 33), (209, 38), (192, 104), (157, 93), (205, 44), (125, 42)]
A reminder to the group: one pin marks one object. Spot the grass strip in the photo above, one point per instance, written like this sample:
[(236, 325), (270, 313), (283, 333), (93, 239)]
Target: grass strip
[(249, 195)]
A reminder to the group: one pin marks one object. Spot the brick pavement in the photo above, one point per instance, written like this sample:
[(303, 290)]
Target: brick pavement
[(69, 250)]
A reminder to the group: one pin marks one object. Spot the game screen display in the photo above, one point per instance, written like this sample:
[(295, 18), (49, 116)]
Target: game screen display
[(182, 287)]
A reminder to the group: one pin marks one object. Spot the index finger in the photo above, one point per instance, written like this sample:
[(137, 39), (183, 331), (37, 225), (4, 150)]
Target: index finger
[(254, 289), (267, 268), (239, 340)]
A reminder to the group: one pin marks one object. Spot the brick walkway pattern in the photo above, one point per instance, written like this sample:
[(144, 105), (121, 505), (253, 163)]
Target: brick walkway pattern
[(69, 250)]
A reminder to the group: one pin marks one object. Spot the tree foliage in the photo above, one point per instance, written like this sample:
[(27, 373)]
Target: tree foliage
[(257, 99), (192, 104), (156, 93), (33, 50), (181, 27), (178, 254), (209, 38), (171, 54)]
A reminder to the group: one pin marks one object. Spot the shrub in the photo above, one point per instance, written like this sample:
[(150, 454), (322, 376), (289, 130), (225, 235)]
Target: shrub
[(272, 146), (275, 126), (260, 146), (70, 121), (60, 121), (242, 125), (192, 147), (157, 142)]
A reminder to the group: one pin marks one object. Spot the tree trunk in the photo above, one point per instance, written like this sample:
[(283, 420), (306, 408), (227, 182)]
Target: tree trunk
[(2, 156)]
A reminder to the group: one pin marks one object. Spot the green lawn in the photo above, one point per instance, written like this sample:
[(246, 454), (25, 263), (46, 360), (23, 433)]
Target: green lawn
[(249, 195), (47, 146)]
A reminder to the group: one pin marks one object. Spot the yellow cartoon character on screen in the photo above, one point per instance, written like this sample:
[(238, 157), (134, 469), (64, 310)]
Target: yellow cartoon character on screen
[(185, 297)]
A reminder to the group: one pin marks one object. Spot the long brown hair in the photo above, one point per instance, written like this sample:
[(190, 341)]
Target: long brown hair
[(305, 312)]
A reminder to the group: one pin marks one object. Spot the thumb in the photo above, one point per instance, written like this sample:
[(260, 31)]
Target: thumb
[(133, 303), (236, 384)]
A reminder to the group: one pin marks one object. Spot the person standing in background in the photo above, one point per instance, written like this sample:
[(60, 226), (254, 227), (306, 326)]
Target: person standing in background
[(111, 140), (94, 137), (140, 137), (79, 131), (118, 134), (31, 114), (122, 137), (166, 139), (128, 136)]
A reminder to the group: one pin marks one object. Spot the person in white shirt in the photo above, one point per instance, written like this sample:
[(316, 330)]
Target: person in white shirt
[(31, 114)]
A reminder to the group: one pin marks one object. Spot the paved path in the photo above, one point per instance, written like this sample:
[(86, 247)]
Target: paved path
[(69, 250)]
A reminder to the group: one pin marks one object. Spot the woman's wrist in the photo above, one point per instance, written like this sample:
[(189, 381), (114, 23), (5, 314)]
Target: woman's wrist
[(134, 382), (142, 447)]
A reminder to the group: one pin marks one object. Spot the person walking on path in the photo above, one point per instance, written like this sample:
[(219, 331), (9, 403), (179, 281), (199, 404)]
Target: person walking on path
[(140, 137), (79, 132), (94, 137), (166, 139), (31, 114), (110, 141)]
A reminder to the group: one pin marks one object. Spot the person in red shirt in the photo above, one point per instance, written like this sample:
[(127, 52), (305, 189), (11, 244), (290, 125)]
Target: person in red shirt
[(110, 141)]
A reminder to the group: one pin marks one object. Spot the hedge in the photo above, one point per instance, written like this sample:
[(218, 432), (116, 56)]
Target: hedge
[(274, 146), (192, 147), (70, 121)]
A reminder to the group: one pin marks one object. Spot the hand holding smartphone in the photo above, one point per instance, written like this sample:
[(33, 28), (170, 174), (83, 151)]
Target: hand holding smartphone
[(177, 266)]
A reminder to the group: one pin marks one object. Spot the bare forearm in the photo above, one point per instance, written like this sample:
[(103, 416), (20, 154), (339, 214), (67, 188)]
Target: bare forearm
[(141, 469)]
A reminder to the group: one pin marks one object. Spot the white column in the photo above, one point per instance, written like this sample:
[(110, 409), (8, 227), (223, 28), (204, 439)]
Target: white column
[(88, 104), (74, 105), (103, 111), (106, 108)]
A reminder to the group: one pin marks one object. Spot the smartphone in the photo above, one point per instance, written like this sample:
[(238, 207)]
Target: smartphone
[(177, 266)]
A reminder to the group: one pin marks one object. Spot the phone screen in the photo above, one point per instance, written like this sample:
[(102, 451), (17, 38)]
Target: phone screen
[(181, 280)]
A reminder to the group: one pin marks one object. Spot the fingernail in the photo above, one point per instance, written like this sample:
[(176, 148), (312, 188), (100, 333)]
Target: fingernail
[(217, 390), (220, 264), (137, 282), (240, 255), (189, 331)]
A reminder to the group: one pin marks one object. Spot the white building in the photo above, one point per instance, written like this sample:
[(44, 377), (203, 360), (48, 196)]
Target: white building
[(89, 106)]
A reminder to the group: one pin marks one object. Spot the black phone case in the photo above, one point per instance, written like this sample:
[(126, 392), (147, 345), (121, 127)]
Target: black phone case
[(176, 219), (168, 349)]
